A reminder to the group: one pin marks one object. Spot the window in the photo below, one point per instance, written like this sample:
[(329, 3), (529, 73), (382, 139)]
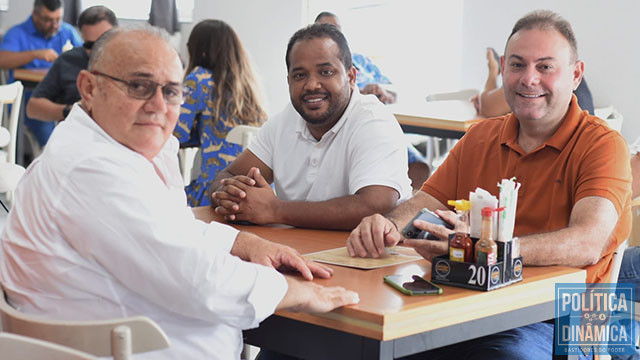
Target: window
[(4, 5), (139, 9)]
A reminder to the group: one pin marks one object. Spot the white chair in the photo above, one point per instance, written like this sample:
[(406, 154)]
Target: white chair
[(609, 114), (111, 337), (13, 347), (465, 94), (11, 94), (242, 135)]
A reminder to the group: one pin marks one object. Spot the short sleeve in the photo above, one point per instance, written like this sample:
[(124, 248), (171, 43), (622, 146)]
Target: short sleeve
[(605, 170), (264, 143), (380, 157), (11, 40)]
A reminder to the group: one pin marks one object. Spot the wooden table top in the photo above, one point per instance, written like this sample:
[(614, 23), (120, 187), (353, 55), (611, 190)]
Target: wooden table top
[(32, 75), (454, 115), (384, 313)]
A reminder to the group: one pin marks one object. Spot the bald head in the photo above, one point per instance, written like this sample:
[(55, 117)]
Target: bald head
[(124, 41), (133, 88)]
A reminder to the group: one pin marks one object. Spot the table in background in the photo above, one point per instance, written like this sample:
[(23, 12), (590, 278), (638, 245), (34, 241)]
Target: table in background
[(444, 118), (30, 78), (387, 324)]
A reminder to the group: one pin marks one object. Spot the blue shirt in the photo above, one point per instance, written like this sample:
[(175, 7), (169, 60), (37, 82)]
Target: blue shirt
[(25, 37), (198, 126), (368, 72)]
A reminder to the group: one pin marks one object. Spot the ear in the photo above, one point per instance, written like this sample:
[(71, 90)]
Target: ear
[(87, 86), (352, 74), (578, 72)]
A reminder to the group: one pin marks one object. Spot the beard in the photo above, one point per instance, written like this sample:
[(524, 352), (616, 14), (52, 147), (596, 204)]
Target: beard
[(335, 107)]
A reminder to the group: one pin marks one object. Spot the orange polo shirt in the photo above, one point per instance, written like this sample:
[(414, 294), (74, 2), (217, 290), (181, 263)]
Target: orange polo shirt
[(583, 158)]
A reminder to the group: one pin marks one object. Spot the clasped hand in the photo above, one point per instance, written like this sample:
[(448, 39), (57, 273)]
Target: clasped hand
[(376, 232), (247, 198)]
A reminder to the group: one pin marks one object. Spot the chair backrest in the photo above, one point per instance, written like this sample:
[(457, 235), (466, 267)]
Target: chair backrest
[(617, 261), (465, 94), (111, 337), (12, 94), (242, 135), (21, 347)]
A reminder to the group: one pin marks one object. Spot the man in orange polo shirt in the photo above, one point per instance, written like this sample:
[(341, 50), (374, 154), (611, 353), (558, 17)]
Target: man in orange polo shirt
[(574, 202)]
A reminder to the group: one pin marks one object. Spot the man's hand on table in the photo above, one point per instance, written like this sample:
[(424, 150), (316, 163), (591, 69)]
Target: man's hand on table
[(376, 232), (306, 296), (247, 198), (255, 249)]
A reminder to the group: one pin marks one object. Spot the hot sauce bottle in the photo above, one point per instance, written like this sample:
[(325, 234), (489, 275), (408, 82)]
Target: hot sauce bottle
[(461, 246), (486, 248)]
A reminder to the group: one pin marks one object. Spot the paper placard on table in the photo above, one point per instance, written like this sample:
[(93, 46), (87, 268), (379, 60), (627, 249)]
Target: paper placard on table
[(340, 256)]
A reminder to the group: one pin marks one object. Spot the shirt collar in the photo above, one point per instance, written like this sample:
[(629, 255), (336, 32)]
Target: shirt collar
[(509, 133), (301, 126)]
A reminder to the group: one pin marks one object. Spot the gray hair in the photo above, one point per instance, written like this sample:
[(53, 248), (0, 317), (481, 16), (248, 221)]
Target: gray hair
[(97, 51)]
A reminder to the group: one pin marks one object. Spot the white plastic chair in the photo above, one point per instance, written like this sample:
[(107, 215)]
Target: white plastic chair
[(242, 135), (111, 337), (11, 94), (13, 347), (465, 94), (609, 114)]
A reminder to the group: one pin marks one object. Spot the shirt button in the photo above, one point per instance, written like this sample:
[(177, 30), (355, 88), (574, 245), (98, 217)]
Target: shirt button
[(314, 162)]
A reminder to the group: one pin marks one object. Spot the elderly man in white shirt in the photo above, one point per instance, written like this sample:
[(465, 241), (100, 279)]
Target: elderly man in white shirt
[(101, 228), (334, 155)]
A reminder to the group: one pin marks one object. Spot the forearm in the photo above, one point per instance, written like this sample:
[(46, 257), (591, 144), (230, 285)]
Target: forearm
[(568, 247), (403, 213), (491, 83), (44, 109), (16, 59), (343, 213)]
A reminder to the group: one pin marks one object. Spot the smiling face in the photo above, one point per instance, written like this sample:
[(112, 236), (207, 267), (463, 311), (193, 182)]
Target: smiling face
[(319, 86), (143, 126), (540, 73)]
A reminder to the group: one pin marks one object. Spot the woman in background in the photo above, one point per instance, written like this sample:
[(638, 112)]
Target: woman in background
[(221, 94)]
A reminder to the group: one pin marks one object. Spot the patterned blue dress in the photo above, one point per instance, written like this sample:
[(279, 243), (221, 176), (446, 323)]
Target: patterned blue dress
[(197, 127)]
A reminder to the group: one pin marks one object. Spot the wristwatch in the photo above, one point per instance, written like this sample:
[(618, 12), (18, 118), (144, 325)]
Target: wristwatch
[(66, 110)]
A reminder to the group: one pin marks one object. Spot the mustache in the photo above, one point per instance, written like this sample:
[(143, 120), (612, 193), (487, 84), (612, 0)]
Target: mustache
[(310, 93)]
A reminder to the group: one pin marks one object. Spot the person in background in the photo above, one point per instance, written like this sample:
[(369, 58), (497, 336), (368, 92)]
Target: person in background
[(103, 214), (370, 80), (574, 202), (491, 101), (333, 155), (222, 93), (37, 43), (57, 92)]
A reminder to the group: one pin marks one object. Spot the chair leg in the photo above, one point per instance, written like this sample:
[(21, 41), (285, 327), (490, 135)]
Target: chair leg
[(121, 343)]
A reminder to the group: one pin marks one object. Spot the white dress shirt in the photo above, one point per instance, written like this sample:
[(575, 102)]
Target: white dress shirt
[(365, 147), (98, 231)]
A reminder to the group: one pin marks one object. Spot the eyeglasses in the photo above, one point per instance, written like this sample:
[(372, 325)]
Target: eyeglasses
[(143, 89), (48, 20)]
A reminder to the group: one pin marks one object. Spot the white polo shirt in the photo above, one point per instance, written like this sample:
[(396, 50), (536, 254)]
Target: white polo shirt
[(365, 147)]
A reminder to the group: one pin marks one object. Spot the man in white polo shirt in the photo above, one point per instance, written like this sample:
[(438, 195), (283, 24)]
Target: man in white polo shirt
[(333, 155)]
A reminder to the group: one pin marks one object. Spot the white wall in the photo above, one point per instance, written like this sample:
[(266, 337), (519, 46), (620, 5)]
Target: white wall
[(607, 33), (19, 11)]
